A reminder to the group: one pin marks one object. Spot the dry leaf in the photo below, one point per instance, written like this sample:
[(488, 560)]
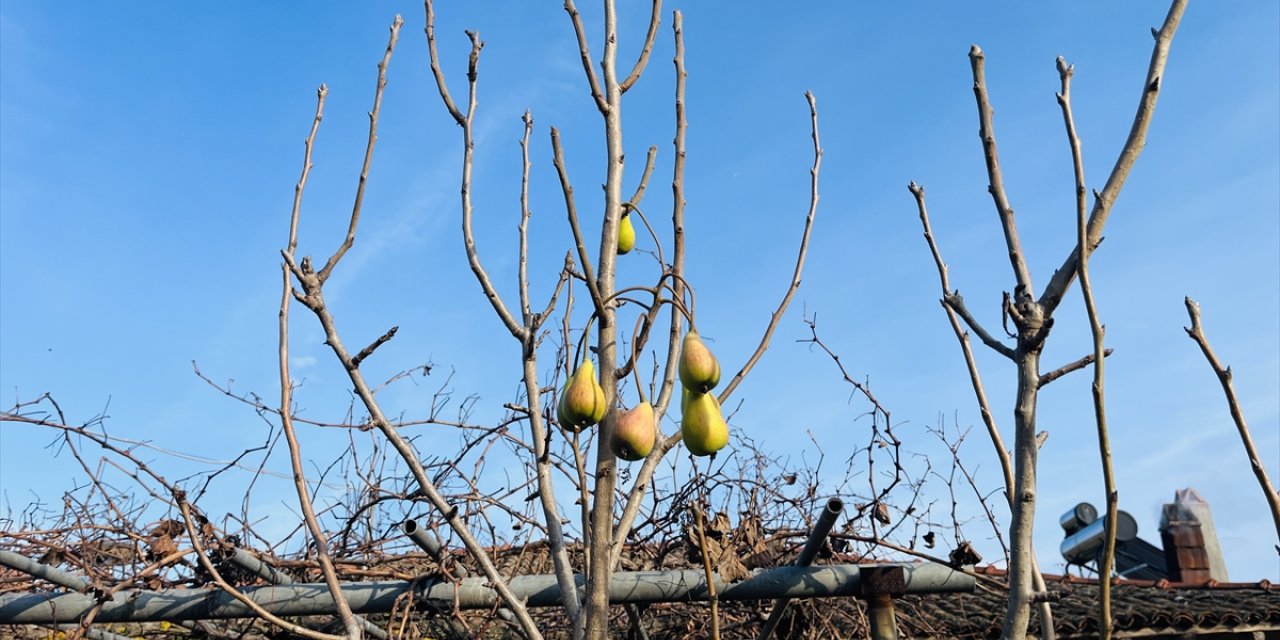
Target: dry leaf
[(881, 513)]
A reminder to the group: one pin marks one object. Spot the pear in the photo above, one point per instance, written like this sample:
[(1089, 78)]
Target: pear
[(626, 235), (702, 426), (635, 433), (699, 370), (582, 399)]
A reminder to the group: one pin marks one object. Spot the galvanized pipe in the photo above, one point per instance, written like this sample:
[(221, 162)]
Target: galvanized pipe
[(427, 542), (253, 564), (43, 571), (472, 593), (881, 619), (256, 566), (821, 530)]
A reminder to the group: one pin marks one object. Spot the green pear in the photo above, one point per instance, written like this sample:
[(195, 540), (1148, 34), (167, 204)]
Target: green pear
[(626, 235), (699, 370), (702, 426), (582, 400), (634, 434)]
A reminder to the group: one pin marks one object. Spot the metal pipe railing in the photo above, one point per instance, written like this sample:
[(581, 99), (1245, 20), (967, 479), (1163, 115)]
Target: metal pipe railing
[(817, 537), (470, 593)]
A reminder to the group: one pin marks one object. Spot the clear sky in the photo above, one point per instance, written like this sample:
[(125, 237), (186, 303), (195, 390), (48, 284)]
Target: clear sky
[(148, 155)]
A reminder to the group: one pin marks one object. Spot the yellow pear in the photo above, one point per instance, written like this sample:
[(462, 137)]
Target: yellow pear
[(582, 400), (626, 235), (702, 426), (699, 370), (560, 414), (634, 434)]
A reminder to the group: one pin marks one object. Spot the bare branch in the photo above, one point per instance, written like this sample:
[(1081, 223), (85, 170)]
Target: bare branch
[(1133, 145), (667, 391), (979, 391), (368, 152), (468, 154), (571, 209), (585, 51), (954, 301), (299, 477), (596, 623), (1196, 332), (995, 176), (368, 351), (1105, 622), (776, 316), (218, 580), (306, 169), (436, 69), (654, 19), (640, 485), (1071, 367)]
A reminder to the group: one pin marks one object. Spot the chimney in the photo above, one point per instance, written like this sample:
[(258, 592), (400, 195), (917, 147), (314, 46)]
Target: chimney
[(1191, 549)]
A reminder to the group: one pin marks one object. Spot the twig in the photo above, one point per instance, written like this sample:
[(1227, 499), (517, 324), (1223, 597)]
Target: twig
[(1105, 622), (203, 557), (571, 209), (465, 121), (584, 51), (1070, 367), (655, 17), (776, 316), (1133, 146), (986, 130), (538, 427), (368, 152), (984, 407), (1196, 332), (955, 302), (368, 351)]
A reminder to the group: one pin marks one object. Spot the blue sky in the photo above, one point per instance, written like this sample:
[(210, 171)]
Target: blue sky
[(148, 156)]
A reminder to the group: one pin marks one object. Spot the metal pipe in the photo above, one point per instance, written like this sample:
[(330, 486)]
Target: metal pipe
[(428, 542), (256, 566), (881, 619), (253, 564), (472, 593), (43, 571), (821, 530)]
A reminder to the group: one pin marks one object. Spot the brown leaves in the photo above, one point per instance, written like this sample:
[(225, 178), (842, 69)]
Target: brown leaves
[(881, 513), (171, 528), (107, 552), (162, 547), (718, 549), (162, 539), (964, 555)]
